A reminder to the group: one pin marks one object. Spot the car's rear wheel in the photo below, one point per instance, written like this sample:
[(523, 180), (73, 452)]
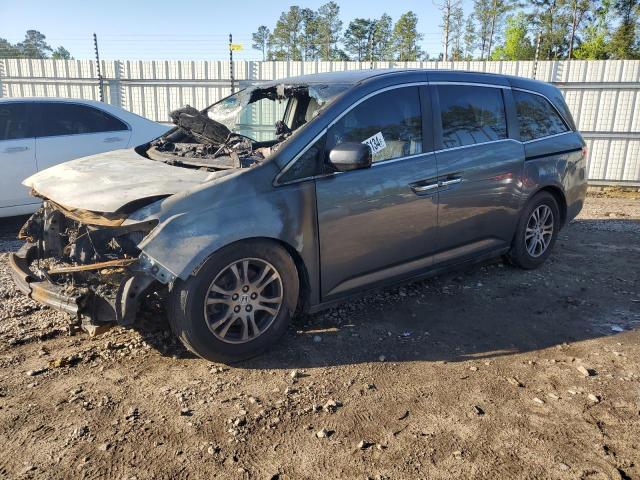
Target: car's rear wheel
[(238, 303), (537, 232)]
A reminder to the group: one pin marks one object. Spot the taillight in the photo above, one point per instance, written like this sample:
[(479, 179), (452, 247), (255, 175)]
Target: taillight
[(585, 150)]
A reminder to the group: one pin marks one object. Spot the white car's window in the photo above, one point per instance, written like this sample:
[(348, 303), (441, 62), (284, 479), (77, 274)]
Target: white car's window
[(72, 119), (14, 123)]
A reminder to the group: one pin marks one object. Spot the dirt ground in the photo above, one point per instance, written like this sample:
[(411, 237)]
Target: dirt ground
[(492, 372)]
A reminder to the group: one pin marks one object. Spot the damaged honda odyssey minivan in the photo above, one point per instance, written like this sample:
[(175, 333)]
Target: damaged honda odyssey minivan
[(295, 194)]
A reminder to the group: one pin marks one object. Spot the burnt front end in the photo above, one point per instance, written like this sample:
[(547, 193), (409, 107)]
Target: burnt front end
[(84, 263)]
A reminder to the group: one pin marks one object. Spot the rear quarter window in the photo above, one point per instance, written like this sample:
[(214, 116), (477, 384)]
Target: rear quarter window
[(537, 117)]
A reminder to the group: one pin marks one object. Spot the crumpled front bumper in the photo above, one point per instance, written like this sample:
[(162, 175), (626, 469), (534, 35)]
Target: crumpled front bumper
[(94, 310), (41, 291)]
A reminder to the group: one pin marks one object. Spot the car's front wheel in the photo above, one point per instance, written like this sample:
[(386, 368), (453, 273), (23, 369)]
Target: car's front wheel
[(238, 303), (537, 231)]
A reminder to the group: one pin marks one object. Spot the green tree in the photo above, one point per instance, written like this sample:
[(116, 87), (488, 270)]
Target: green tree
[(482, 13), (7, 50), (497, 11), (357, 38), (457, 33), (593, 44), (406, 38), (624, 44), (283, 42), (309, 38), (448, 9), (553, 20), (517, 45), (261, 40), (34, 45), (579, 9), (470, 38), (329, 29), (61, 53), (382, 42)]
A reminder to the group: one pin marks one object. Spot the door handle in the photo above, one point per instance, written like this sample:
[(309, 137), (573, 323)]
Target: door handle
[(424, 188), (453, 181), (112, 139), (15, 149)]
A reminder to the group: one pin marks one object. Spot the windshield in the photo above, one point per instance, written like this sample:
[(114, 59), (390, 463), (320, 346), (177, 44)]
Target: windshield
[(268, 112)]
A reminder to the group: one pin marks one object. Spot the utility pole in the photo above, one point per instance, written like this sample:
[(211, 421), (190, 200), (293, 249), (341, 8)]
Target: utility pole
[(100, 84), (233, 89)]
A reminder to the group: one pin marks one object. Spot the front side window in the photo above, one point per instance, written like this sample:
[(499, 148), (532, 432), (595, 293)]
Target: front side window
[(537, 117), (13, 121), (471, 114), (72, 119), (389, 122), (307, 165)]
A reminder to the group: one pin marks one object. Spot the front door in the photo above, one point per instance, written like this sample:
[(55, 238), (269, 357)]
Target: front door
[(380, 222), (479, 171), (17, 155)]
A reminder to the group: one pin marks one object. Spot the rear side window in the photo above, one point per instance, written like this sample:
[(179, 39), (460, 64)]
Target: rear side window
[(72, 119), (13, 121), (389, 122), (471, 115), (537, 117)]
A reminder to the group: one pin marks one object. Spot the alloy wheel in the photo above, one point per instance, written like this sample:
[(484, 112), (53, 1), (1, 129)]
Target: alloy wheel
[(243, 300), (539, 231)]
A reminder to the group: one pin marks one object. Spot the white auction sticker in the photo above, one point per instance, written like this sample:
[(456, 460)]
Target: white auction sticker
[(376, 143)]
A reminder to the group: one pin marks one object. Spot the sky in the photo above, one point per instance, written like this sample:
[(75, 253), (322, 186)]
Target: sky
[(183, 29)]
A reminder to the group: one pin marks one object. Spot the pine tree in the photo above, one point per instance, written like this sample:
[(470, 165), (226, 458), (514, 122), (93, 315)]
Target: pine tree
[(261, 39), (517, 45), (470, 38), (406, 37), (579, 9), (593, 43), (329, 28), (357, 38), (34, 45), (624, 42), (382, 43)]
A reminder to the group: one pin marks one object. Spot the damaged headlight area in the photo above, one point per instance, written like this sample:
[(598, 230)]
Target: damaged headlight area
[(86, 264)]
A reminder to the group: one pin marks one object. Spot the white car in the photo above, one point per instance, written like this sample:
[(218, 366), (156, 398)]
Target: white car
[(36, 133)]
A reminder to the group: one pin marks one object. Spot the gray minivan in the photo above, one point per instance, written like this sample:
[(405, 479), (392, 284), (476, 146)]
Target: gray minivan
[(295, 194)]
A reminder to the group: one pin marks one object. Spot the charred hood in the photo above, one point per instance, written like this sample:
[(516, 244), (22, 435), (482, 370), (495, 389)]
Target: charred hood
[(109, 182)]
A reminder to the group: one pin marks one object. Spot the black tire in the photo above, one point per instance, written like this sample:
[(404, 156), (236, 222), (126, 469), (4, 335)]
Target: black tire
[(186, 309), (519, 255)]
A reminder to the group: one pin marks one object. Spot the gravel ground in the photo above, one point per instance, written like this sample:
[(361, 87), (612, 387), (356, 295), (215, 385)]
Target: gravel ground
[(491, 372)]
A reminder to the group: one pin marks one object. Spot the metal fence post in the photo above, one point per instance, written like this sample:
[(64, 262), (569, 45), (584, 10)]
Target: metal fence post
[(100, 85)]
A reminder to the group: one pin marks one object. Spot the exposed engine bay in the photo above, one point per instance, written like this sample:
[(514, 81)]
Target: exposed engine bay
[(89, 258), (234, 133)]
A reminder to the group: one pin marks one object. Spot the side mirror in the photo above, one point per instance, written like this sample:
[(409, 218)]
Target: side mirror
[(350, 156)]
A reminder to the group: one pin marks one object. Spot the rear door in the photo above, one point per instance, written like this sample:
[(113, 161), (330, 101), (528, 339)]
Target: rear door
[(379, 223), (72, 130), (480, 165), (17, 154)]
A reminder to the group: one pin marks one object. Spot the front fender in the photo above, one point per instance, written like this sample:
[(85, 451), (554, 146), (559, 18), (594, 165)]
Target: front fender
[(246, 205)]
